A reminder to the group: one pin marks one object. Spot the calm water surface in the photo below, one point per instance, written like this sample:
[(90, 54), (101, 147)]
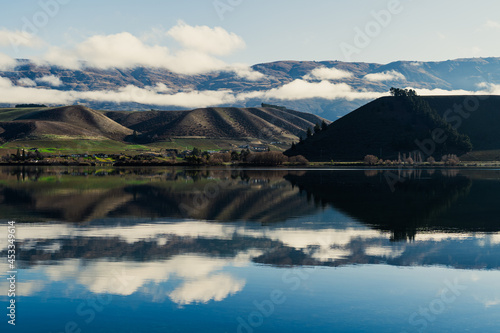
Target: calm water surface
[(225, 250)]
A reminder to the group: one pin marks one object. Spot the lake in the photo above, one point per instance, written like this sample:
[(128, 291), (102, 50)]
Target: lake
[(251, 250)]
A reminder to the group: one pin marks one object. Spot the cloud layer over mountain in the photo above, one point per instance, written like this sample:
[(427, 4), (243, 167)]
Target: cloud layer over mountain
[(184, 67)]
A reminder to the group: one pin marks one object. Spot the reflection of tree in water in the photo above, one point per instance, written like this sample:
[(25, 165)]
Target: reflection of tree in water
[(417, 202)]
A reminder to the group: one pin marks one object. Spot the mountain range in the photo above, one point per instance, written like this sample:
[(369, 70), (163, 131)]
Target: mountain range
[(330, 89)]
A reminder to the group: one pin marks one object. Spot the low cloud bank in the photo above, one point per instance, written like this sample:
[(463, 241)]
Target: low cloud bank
[(27, 92)]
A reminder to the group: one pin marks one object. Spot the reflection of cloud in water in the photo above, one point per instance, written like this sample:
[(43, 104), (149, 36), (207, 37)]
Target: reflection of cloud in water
[(202, 275), (130, 234), (235, 244), (493, 239), (384, 251), (297, 238), (329, 253), (484, 239), (23, 288), (301, 239), (491, 302), (216, 287), (439, 237)]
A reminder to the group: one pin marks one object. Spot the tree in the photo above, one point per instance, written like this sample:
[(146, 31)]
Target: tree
[(398, 92), (244, 155), (196, 152), (324, 126), (293, 146), (309, 132), (317, 128), (235, 156)]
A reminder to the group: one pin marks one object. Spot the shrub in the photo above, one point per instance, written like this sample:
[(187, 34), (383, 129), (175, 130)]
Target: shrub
[(267, 158), (450, 159), (223, 157), (299, 159), (371, 159)]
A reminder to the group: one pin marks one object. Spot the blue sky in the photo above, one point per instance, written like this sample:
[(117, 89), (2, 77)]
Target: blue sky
[(276, 30), (208, 36)]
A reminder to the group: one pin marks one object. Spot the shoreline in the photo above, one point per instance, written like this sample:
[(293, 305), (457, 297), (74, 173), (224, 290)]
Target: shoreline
[(314, 165)]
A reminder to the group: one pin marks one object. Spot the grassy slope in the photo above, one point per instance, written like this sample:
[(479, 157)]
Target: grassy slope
[(81, 130), (482, 126), (383, 127), (234, 123), (9, 114), (89, 122)]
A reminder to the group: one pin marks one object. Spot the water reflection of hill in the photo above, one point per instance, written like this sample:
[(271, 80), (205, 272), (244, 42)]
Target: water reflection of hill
[(77, 195), (427, 200), (446, 200)]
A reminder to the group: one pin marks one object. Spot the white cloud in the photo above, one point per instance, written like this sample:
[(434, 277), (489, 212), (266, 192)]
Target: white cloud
[(490, 24), (441, 35), (489, 88), (6, 62), (324, 73), (443, 92), (416, 63), (245, 72), (124, 50), (217, 288), (120, 50), (391, 75), (300, 89), (18, 38), (208, 40), (12, 94), (51, 80), (26, 82), (159, 95), (188, 99)]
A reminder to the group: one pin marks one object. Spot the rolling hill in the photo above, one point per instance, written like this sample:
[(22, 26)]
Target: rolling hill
[(257, 125), (69, 121), (390, 125), (233, 123)]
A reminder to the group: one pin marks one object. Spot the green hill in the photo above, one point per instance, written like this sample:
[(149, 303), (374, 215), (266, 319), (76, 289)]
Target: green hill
[(79, 128), (233, 123), (392, 125), (68, 121)]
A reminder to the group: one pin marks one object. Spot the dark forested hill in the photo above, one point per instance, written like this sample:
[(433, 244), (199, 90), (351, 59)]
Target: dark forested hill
[(390, 125)]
